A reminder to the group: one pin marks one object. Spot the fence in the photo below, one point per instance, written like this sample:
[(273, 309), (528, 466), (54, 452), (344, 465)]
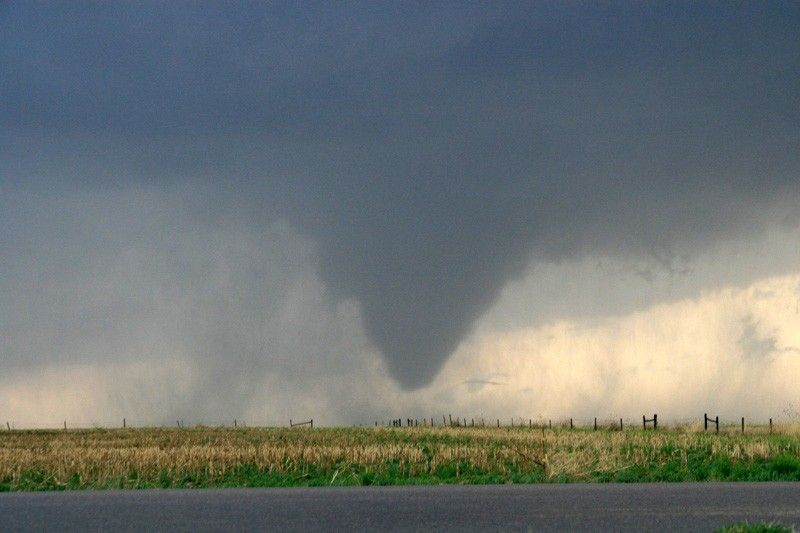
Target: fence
[(595, 424), (459, 422), (706, 420), (653, 420)]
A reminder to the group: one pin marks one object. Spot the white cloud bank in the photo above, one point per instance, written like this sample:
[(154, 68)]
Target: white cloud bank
[(733, 351)]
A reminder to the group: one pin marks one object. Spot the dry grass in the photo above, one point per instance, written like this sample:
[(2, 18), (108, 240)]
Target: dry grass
[(259, 456)]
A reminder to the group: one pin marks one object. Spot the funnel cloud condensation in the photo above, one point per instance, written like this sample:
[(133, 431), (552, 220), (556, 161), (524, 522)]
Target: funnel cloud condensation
[(431, 153)]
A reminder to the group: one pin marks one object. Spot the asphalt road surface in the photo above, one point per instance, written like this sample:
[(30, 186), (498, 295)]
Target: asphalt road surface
[(604, 507)]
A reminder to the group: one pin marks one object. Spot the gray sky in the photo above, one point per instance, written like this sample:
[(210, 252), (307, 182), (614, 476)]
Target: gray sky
[(295, 198)]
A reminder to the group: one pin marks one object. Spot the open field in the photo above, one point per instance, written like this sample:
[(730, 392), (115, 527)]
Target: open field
[(256, 457)]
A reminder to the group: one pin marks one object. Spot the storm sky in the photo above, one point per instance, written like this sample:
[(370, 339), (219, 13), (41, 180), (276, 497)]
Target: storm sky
[(355, 211)]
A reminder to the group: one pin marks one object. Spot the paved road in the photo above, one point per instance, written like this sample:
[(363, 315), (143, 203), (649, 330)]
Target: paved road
[(633, 507)]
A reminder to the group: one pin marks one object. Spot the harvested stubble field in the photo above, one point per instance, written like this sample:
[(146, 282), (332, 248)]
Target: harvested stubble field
[(250, 457)]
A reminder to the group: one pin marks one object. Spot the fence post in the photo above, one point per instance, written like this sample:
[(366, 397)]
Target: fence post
[(742, 425), (530, 423), (123, 424), (705, 421), (550, 423), (717, 420), (644, 422), (770, 426), (312, 423), (9, 425), (595, 423), (655, 421), (620, 424), (498, 422)]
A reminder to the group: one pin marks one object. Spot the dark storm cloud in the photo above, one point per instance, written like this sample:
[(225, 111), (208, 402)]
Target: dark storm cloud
[(428, 150)]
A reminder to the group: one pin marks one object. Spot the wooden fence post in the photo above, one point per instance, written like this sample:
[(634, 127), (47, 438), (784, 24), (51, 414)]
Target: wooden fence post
[(498, 422), (717, 420), (595, 423), (570, 424), (655, 421), (644, 422), (620, 424), (550, 423), (123, 424), (742, 425), (770, 426), (705, 421), (9, 425)]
